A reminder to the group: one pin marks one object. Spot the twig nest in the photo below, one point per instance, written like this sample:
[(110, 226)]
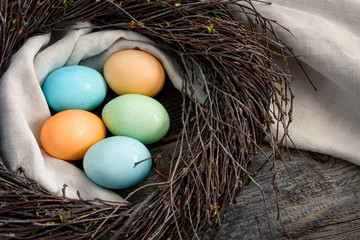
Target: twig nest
[(229, 87)]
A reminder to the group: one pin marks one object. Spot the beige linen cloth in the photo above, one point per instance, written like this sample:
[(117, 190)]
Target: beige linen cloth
[(326, 121), (326, 33)]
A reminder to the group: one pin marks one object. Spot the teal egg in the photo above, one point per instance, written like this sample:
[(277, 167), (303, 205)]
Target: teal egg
[(74, 87), (137, 116), (117, 162)]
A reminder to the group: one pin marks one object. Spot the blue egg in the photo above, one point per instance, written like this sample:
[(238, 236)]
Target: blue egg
[(74, 87), (111, 162)]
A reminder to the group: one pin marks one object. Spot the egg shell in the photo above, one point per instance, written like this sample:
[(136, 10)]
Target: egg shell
[(111, 163), (74, 87), (69, 134), (134, 71), (137, 116)]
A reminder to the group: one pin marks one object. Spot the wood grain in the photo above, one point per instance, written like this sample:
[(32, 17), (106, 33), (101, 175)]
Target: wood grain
[(312, 207)]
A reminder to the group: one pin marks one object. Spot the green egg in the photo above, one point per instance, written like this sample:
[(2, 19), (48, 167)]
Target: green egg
[(137, 116)]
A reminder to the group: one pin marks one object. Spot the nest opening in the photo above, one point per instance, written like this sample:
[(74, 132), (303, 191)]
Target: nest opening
[(161, 151)]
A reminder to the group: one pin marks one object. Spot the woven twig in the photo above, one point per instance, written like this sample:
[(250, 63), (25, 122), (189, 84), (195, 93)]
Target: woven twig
[(247, 94)]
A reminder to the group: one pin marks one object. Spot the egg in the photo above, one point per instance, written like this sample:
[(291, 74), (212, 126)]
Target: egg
[(69, 134), (117, 162), (137, 116), (74, 87), (134, 71)]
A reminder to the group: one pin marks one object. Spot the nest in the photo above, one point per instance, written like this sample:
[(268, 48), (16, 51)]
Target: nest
[(248, 94)]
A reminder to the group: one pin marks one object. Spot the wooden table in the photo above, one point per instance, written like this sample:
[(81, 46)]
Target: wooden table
[(312, 207)]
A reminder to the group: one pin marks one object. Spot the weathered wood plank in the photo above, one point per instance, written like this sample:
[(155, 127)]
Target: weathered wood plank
[(312, 207)]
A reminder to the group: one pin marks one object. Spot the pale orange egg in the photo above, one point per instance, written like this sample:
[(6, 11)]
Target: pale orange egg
[(134, 71), (69, 134)]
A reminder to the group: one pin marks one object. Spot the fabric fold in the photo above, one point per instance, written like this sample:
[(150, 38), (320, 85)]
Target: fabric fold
[(326, 36)]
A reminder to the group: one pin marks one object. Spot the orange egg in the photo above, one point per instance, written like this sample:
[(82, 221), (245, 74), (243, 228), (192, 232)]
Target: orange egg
[(134, 71), (69, 134)]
